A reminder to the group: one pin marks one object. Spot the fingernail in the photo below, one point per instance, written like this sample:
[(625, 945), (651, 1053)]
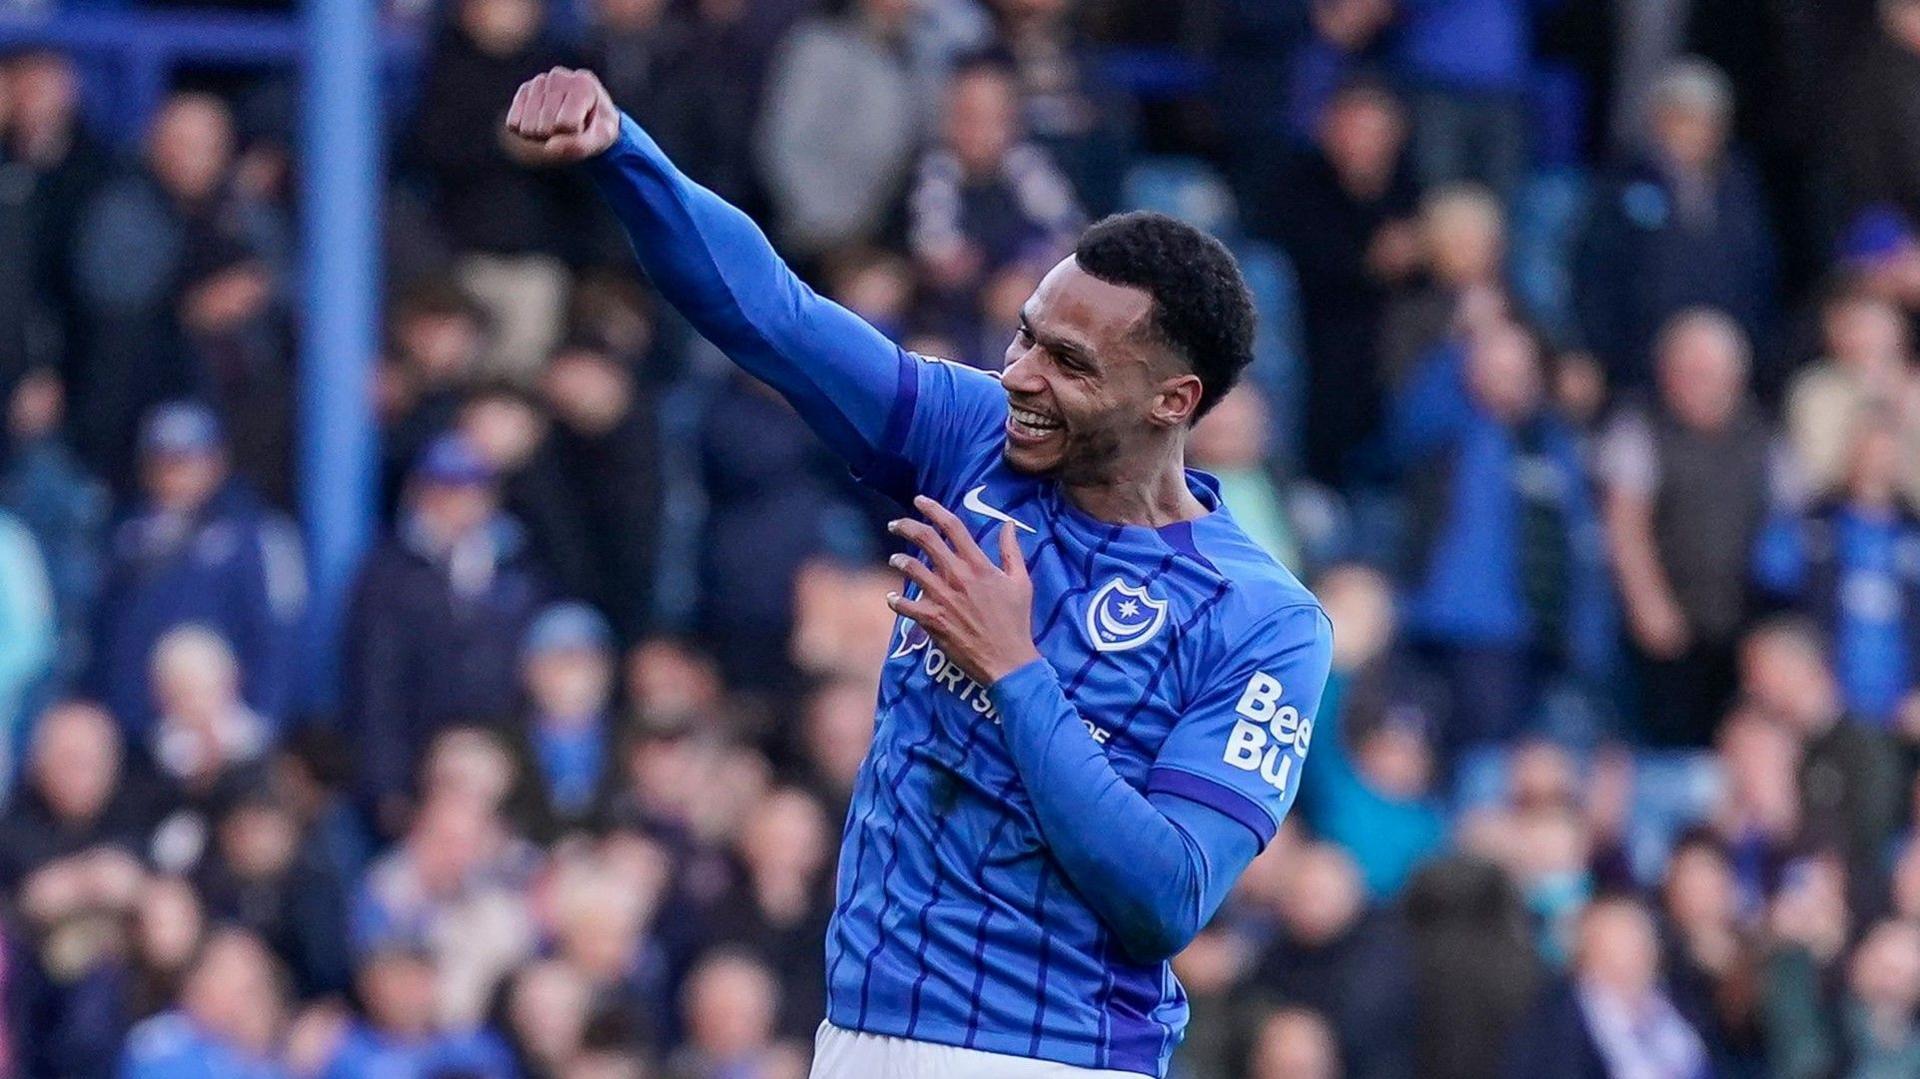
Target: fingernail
[(893, 526), (893, 597), (898, 561)]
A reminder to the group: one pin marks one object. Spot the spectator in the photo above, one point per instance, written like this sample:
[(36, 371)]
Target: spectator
[(1232, 445), (838, 726), (1471, 67), (439, 335), (1851, 778), (1712, 954), (567, 665), (731, 1001), (511, 432), (1349, 963), (780, 902), (227, 1022), (77, 828), (134, 253), (457, 885), (266, 873), (1508, 588), (1759, 811), (694, 79), (67, 164), (1809, 926), (1611, 1018), (1864, 368), (1060, 105), (547, 1011), (436, 621), (601, 926), (1686, 481), (1879, 113), (832, 182), (769, 510), (199, 547), (1475, 966), (985, 199), (1294, 1043), (400, 1032), (45, 487), (1372, 791), (27, 634), (1681, 227), (1463, 287), (1875, 1032), (503, 220), (1343, 216), (205, 730), (606, 441), (1839, 562)]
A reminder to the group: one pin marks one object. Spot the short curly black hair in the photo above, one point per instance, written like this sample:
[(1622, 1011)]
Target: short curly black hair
[(1201, 306)]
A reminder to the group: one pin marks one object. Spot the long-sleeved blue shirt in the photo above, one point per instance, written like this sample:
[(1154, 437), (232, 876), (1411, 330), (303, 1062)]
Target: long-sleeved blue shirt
[(1020, 859)]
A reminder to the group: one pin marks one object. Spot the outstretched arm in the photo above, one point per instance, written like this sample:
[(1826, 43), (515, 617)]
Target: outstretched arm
[(712, 263)]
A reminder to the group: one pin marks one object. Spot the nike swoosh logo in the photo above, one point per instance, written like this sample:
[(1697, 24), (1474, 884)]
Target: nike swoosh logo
[(974, 503)]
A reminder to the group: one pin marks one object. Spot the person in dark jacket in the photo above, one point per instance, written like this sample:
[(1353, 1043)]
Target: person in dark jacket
[(607, 439), (65, 165), (1344, 215), (1353, 965), (768, 511), (1508, 586), (512, 228), (137, 242), (1852, 781), (1877, 131), (199, 547), (1687, 482), (435, 622), (1475, 965), (1612, 1017), (1683, 226)]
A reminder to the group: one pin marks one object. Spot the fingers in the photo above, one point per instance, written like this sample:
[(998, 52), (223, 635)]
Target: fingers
[(923, 536), (576, 105), (952, 528), (553, 95), (517, 111), (1012, 562), (917, 571), (917, 609)]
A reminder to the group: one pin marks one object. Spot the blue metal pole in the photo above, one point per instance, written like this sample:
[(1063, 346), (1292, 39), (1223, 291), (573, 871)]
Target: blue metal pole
[(341, 217)]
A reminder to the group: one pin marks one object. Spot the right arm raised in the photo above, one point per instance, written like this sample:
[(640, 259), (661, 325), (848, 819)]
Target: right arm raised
[(713, 264)]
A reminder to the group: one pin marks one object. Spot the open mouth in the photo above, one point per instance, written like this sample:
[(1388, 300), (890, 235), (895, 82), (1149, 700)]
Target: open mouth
[(1026, 425)]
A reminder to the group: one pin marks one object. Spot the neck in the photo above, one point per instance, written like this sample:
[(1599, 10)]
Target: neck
[(1159, 497)]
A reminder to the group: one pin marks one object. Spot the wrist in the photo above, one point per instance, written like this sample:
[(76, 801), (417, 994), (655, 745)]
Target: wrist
[(1014, 681), (1007, 668)]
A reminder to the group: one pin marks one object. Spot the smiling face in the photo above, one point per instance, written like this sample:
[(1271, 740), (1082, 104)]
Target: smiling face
[(1086, 380)]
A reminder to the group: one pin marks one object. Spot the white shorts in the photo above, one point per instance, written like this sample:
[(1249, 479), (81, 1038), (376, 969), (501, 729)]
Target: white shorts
[(852, 1054)]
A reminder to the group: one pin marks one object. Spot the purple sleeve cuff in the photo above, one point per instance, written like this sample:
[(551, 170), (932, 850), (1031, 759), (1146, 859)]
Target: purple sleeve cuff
[(1216, 796)]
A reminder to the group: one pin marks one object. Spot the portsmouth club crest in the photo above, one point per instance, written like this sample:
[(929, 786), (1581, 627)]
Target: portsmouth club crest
[(1123, 616)]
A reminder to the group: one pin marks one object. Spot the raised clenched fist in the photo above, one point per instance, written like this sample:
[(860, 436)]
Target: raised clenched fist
[(560, 118)]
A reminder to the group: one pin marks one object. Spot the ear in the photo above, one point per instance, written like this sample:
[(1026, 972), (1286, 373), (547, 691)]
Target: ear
[(1178, 397)]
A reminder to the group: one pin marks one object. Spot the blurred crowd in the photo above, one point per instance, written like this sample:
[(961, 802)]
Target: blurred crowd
[(1586, 398)]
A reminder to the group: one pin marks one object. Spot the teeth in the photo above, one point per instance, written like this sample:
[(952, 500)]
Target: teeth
[(1033, 419)]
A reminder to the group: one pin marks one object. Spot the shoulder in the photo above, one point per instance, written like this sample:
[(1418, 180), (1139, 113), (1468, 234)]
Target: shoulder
[(1263, 606)]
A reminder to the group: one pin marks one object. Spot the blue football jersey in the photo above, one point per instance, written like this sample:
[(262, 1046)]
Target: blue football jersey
[(1192, 658)]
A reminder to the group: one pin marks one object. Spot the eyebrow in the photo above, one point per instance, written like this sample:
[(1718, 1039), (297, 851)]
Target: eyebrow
[(1055, 344)]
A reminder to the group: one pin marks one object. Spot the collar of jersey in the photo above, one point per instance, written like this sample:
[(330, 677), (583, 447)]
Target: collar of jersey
[(1177, 537)]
